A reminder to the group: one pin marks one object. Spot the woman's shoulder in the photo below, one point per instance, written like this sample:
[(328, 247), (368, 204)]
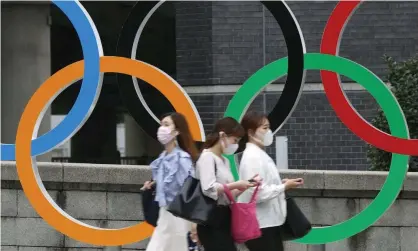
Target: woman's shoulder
[(183, 154), (183, 162), (251, 153), (206, 154), (177, 155), (205, 157), (251, 156)]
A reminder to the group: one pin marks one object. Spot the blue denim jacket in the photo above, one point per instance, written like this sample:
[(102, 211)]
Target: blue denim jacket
[(169, 172)]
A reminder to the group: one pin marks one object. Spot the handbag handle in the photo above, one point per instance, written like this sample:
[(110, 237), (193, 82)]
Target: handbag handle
[(231, 198), (228, 194), (253, 197)]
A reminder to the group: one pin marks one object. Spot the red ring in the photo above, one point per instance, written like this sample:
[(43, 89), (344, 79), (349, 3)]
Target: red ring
[(336, 97)]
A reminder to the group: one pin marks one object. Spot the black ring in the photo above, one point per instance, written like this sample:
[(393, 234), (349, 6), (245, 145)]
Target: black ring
[(126, 86), (295, 74), (281, 111)]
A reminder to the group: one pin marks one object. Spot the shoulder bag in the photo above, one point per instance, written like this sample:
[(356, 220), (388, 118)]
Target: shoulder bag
[(192, 205), (150, 206), (296, 225)]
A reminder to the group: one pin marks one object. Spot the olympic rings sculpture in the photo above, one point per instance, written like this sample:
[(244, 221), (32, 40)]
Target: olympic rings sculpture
[(95, 64), (133, 98)]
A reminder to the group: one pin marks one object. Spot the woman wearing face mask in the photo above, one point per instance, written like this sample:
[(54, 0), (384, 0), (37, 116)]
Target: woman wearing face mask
[(213, 170), (271, 203), (169, 172)]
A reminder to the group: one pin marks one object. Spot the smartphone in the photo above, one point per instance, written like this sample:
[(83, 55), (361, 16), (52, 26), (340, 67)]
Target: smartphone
[(300, 180)]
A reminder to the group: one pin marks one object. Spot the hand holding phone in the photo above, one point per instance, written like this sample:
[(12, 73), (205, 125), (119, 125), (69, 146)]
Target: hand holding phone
[(256, 179), (299, 180), (293, 183)]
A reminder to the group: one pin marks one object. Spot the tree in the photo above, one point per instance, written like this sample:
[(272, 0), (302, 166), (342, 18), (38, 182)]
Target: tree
[(403, 80)]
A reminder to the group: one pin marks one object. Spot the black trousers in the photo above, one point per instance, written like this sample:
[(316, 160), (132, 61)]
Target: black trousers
[(217, 238), (270, 240)]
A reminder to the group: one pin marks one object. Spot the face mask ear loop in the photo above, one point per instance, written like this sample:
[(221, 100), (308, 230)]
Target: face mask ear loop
[(175, 136), (177, 133), (256, 139), (221, 139)]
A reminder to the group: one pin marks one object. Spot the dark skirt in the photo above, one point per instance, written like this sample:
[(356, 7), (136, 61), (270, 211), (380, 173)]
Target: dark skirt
[(218, 238), (270, 240)]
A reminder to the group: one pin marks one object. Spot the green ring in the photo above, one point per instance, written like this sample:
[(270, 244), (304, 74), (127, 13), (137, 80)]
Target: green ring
[(384, 97)]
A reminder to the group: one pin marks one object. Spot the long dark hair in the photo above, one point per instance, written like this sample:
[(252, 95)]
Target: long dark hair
[(251, 121), (184, 139), (229, 125)]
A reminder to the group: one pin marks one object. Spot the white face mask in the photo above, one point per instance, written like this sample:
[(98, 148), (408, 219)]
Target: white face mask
[(266, 139), (164, 135), (228, 149)]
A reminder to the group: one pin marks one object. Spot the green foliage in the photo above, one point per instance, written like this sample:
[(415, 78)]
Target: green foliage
[(403, 79)]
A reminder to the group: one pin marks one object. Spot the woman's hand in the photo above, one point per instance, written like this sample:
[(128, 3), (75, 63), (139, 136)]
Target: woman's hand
[(147, 185), (243, 185), (293, 183), (256, 179)]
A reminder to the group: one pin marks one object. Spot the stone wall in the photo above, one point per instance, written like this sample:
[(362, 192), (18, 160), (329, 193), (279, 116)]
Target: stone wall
[(107, 196)]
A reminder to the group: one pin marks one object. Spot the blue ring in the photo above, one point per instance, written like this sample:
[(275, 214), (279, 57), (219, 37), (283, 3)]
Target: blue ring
[(90, 88)]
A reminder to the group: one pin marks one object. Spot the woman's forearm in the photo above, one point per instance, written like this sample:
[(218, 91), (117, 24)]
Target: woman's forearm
[(236, 192), (233, 185)]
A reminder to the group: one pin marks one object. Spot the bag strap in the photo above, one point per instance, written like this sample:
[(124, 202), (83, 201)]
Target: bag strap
[(216, 168), (253, 198), (231, 198), (228, 194)]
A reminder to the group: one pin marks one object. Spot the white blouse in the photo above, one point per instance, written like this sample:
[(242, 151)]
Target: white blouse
[(271, 202), (205, 172)]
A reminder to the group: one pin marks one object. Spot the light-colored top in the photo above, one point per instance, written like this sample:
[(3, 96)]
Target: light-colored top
[(205, 172), (169, 172), (271, 202)]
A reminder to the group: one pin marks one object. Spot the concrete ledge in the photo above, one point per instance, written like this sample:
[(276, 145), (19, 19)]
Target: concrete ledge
[(107, 196), (94, 177), (82, 173), (51, 172), (411, 182)]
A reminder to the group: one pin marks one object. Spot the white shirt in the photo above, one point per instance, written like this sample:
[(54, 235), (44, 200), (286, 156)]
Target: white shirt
[(271, 202), (205, 172)]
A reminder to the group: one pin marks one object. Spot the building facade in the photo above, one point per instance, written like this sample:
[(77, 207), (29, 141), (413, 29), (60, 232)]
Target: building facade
[(210, 48)]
